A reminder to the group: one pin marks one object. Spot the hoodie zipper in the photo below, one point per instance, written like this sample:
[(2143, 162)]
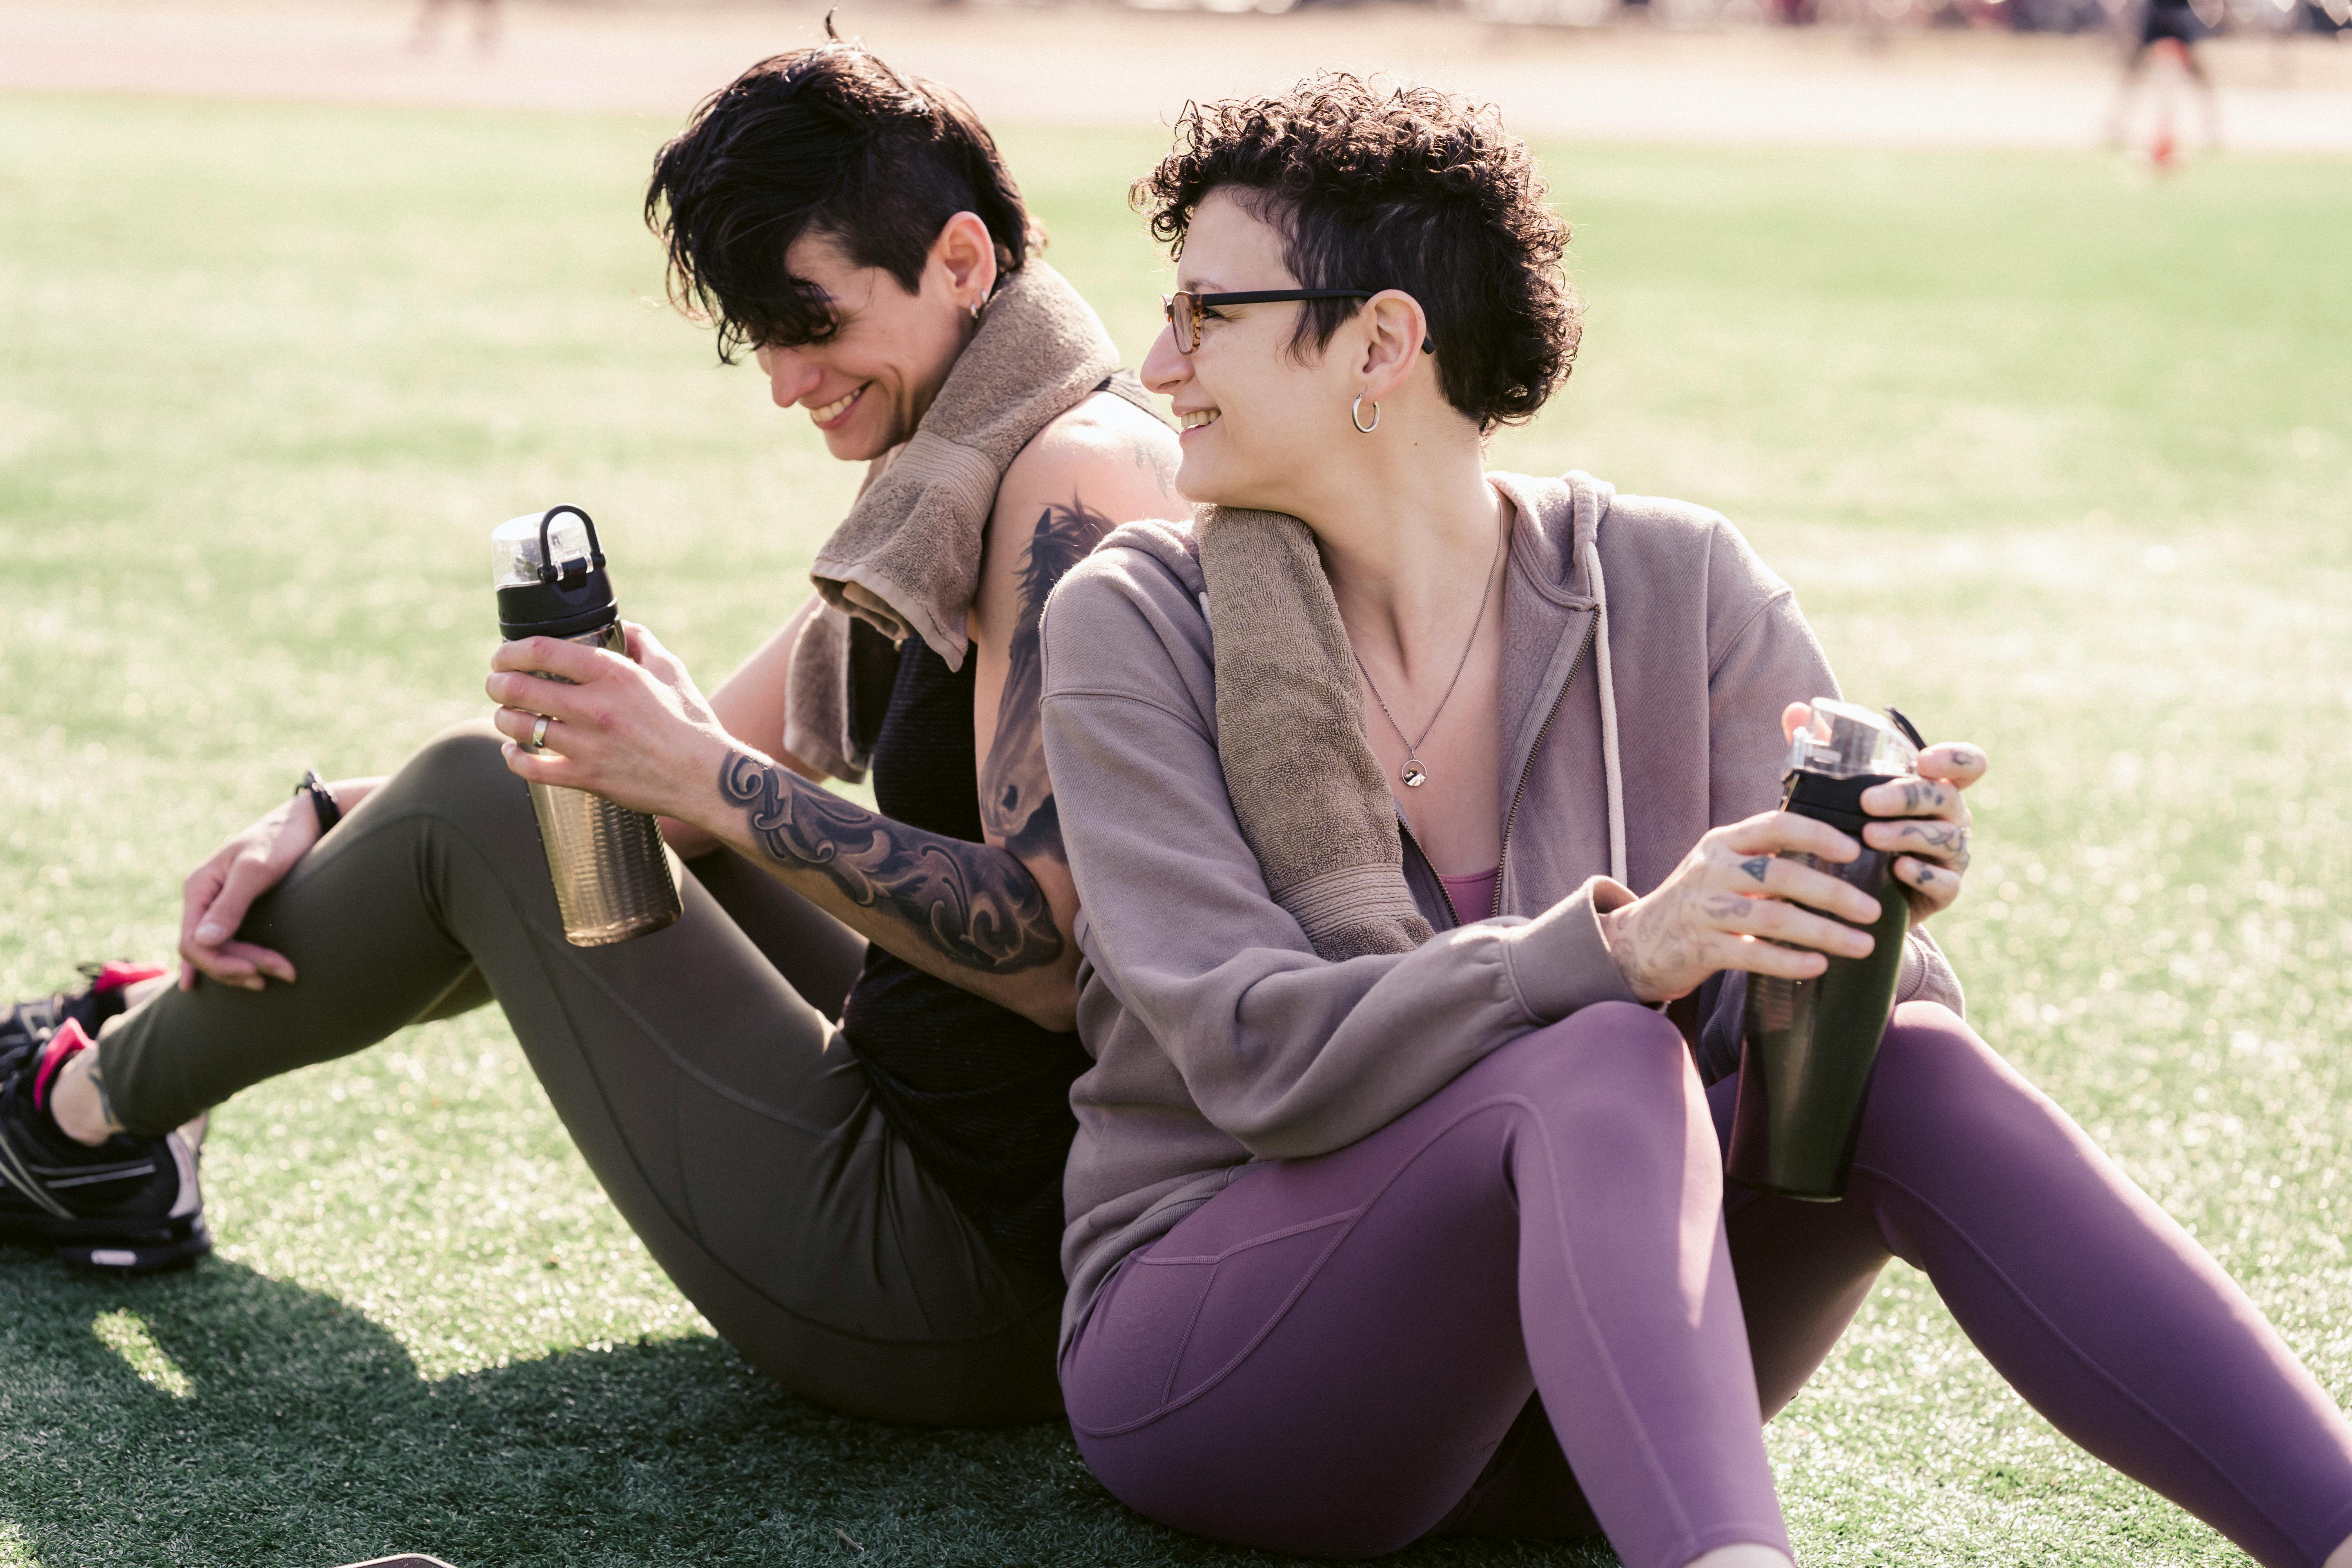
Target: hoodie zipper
[(1512, 816), (1405, 828)]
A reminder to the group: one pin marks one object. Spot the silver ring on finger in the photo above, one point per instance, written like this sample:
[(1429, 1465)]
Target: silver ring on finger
[(539, 733)]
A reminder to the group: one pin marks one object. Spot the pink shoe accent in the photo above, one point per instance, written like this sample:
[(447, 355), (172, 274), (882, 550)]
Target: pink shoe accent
[(123, 972), (64, 1046)]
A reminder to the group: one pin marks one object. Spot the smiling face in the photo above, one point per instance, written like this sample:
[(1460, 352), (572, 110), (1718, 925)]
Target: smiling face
[(1255, 412), (868, 384)]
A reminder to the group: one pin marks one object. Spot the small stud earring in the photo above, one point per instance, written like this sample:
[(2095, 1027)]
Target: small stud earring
[(1356, 416)]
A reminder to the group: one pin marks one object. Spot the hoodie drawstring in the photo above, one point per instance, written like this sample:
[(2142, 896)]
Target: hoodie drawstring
[(1611, 765)]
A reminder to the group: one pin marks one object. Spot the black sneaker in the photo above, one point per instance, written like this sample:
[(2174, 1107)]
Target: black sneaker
[(28, 1026), (129, 1205)]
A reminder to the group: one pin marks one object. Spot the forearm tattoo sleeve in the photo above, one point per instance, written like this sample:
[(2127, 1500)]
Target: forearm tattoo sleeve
[(976, 905)]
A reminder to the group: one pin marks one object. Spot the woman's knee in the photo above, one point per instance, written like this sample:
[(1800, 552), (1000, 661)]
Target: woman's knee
[(461, 770), (463, 755), (459, 776), (1615, 1061), (1927, 1051), (1936, 1082), (1606, 1043)]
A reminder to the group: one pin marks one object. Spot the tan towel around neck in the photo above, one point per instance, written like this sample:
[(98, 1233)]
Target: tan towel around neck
[(1312, 800), (907, 558)]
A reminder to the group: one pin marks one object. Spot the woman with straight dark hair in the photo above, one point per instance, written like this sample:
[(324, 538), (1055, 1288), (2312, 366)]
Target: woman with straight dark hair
[(1400, 796), (832, 1098)]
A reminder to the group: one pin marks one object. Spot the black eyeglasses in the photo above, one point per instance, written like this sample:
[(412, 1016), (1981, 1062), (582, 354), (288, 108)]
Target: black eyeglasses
[(1183, 307)]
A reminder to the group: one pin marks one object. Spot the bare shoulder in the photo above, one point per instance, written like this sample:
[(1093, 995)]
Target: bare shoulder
[(1104, 463), (1107, 446)]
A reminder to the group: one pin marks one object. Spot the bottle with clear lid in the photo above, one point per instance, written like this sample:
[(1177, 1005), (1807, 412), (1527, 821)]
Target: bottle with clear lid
[(1809, 1046), (612, 874)]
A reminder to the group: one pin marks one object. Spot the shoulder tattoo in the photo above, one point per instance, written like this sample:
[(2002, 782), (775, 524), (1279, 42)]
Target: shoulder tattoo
[(1016, 798)]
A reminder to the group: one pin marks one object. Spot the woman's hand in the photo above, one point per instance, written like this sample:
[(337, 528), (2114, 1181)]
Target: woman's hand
[(1725, 906), (216, 895), (1931, 849), (1732, 902), (634, 731)]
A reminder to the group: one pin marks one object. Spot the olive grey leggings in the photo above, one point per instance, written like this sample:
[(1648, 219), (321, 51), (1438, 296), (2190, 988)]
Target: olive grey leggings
[(695, 1067)]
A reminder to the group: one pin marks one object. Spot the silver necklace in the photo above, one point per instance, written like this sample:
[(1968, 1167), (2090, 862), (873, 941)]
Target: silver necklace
[(1414, 773)]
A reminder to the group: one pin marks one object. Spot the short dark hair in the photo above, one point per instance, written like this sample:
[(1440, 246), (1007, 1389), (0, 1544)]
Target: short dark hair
[(1404, 188), (827, 141)]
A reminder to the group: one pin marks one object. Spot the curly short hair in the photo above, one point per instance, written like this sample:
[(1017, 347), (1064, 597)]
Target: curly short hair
[(1407, 187), (828, 140)]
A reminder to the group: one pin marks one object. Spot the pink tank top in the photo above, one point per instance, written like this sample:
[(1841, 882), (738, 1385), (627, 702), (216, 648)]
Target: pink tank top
[(1473, 893)]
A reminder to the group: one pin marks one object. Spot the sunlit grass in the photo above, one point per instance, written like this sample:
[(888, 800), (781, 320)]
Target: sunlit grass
[(123, 1334), (2058, 463)]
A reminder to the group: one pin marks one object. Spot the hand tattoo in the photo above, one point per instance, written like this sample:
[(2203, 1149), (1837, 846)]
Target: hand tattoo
[(1016, 799), (976, 905), (1918, 794), (1648, 958), (1757, 866), (1948, 839)]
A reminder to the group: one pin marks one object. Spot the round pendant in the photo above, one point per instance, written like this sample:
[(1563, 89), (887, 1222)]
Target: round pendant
[(1415, 775)]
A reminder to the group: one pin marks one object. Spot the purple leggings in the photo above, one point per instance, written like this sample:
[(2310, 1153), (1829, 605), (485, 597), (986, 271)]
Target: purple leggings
[(1337, 1357)]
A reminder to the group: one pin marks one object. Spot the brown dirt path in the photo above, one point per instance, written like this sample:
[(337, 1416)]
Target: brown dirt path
[(1079, 64)]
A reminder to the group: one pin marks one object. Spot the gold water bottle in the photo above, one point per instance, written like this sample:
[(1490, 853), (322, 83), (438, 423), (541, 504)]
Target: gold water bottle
[(612, 876)]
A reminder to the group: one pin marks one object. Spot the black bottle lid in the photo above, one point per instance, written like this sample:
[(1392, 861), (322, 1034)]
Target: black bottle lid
[(542, 598), (1827, 798)]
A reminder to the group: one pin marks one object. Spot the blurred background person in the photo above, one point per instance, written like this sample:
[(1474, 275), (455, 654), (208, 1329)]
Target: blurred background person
[(2169, 30), (430, 15)]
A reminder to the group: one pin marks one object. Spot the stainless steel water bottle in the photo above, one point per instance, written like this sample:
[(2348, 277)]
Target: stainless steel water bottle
[(1809, 1045), (612, 876)]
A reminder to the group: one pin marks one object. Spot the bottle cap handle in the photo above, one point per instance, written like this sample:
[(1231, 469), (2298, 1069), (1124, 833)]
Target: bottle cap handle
[(547, 571)]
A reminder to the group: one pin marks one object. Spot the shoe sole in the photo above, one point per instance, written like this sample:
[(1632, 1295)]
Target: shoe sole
[(120, 1246)]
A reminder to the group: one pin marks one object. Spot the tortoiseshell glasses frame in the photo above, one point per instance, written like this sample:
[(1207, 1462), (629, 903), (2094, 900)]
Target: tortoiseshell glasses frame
[(1183, 308)]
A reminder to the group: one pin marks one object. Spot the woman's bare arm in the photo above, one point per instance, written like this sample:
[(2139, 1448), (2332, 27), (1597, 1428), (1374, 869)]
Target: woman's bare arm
[(994, 916), (752, 703)]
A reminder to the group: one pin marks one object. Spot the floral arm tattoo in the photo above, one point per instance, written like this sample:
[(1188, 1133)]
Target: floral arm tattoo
[(974, 904), (1016, 798)]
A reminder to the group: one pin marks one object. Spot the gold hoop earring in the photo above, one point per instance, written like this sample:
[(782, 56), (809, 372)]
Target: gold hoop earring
[(1356, 416)]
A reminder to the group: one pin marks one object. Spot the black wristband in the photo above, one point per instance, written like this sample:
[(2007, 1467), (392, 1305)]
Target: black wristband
[(322, 802)]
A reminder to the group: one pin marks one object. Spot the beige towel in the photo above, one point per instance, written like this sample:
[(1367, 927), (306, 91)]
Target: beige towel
[(907, 558), (1312, 800)]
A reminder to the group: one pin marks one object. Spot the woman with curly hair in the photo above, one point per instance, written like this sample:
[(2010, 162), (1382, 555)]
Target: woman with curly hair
[(1400, 795)]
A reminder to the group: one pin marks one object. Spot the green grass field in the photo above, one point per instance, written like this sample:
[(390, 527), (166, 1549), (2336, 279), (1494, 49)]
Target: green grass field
[(2059, 462)]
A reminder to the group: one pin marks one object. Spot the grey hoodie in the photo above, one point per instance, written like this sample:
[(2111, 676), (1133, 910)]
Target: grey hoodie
[(1648, 655)]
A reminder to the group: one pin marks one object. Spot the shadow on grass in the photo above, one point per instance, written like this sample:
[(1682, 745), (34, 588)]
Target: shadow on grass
[(220, 1418)]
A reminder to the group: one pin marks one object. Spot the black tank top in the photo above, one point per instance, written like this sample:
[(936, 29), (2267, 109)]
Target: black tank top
[(981, 1094)]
